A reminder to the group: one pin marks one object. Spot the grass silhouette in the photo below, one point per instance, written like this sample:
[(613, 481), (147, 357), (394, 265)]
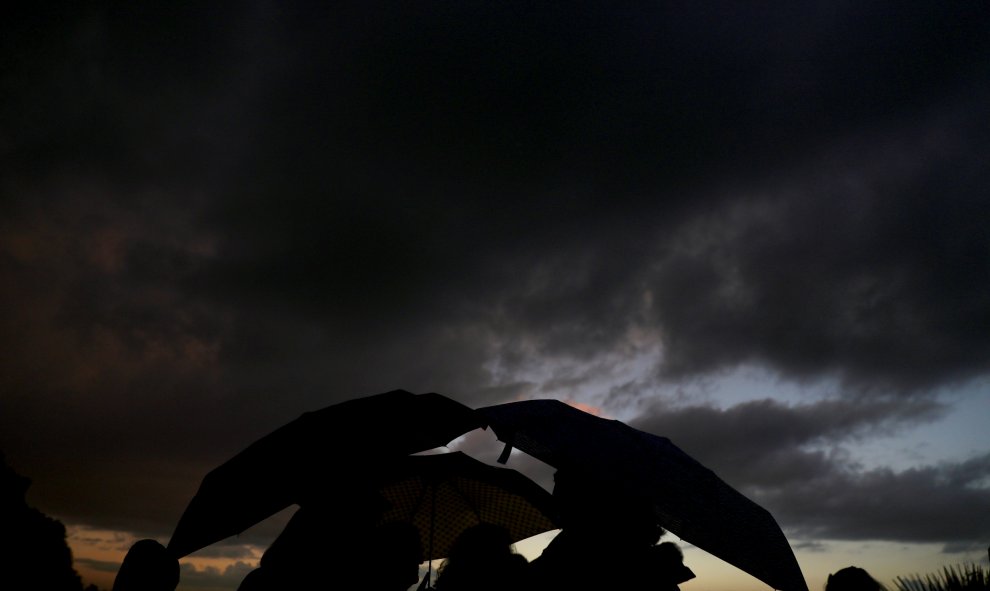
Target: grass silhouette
[(963, 577)]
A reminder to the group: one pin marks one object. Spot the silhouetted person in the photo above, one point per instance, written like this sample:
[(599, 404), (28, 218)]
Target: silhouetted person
[(482, 559), (315, 550), (392, 557), (33, 550), (852, 578), (321, 546), (606, 540), (147, 566), (667, 566)]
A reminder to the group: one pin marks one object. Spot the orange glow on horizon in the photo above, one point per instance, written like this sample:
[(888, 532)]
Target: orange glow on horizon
[(593, 410)]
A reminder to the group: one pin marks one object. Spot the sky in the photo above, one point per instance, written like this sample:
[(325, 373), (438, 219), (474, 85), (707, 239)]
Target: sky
[(759, 230)]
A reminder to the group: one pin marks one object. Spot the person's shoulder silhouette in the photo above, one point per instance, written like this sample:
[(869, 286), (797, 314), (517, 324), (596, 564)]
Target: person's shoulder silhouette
[(256, 580), (391, 557), (316, 532)]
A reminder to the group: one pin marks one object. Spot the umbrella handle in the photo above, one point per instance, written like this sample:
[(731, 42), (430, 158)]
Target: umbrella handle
[(433, 524), (425, 584)]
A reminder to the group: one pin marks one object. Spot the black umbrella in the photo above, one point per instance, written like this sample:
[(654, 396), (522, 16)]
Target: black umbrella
[(445, 494), (313, 453), (687, 498)]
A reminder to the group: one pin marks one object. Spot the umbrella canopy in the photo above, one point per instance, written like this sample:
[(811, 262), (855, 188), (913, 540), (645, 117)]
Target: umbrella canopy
[(687, 498), (314, 453), (445, 494)]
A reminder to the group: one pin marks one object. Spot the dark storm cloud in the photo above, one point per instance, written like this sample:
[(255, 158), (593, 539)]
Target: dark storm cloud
[(867, 262), (765, 443), (790, 459), (930, 504), (532, 172), (214, 220)]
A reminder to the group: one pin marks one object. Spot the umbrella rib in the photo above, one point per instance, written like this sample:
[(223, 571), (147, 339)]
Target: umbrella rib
[(420, 499), (467, 498), (433, 517)]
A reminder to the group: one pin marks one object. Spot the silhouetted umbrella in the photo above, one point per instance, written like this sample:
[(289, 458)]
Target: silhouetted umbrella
[(312, 454), (444, 494), (688, 499)]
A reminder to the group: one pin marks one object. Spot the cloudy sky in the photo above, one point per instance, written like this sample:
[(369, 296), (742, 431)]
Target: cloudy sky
[(760, 232)]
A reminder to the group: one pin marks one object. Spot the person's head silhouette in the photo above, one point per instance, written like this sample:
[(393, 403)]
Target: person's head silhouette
[(482, 559), (669, 562), (852, 578), (148, 566), (597, 509)]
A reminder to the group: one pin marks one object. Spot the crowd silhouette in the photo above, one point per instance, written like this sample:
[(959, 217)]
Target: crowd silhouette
[(331, 548), (343, 547), (349, 532), (348, 549)]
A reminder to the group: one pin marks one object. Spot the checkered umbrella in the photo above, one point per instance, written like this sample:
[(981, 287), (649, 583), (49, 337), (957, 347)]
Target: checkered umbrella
[(444, 494)]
